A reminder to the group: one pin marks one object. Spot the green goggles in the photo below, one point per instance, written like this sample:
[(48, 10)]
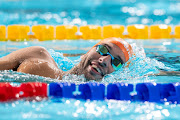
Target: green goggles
[(116, 63)]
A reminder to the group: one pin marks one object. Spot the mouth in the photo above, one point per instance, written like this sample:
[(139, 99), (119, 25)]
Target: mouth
[(97, 70)]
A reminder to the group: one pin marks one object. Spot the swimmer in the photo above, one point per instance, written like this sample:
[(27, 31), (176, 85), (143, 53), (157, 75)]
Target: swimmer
[(105, 57)]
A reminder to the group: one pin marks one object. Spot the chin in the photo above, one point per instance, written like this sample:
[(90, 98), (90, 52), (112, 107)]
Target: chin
[(89, 77)]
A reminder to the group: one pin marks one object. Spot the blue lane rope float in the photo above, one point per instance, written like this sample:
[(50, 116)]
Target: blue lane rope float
[(119, 91), (61, 89), (92, 91), (151, 92)]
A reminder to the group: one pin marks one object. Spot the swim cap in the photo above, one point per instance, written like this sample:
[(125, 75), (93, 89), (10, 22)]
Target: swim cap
[(122, 44)]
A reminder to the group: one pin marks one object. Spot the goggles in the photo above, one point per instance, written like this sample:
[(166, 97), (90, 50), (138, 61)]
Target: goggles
[(116, 63)]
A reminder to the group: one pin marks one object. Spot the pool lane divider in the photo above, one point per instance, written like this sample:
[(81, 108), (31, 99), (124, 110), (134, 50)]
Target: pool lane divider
[(20, 32), (151, 92)]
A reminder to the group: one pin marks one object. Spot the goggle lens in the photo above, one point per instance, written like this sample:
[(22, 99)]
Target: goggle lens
[(116, 63), (102, 49)]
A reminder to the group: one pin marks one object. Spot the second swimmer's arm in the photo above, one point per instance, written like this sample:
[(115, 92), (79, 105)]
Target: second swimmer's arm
[(168, 73)]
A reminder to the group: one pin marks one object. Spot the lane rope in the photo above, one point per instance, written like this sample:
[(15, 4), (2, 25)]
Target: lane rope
[(151, 92)]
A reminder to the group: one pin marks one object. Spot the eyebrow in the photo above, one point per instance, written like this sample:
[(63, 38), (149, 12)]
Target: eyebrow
[(110, 48)]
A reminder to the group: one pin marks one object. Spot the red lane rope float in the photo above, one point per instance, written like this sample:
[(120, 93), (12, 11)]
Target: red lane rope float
[(31, 89), (7, 92)]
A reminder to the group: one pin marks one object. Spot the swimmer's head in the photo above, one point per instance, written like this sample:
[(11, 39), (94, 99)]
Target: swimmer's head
[(105, 57), (122, 44)]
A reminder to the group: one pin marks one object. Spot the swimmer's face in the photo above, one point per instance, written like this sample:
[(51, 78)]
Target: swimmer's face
[(96, 66)]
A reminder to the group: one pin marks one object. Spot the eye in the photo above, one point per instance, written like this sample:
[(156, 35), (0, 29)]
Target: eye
[(103, 49), (116, 61)]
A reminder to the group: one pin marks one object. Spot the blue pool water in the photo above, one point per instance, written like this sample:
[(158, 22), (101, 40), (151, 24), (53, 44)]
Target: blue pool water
[(152, 55), (162, 54), (82, 12)]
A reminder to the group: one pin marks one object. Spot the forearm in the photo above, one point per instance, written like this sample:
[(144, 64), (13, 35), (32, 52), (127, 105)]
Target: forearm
[(6, 64), (168, 73)]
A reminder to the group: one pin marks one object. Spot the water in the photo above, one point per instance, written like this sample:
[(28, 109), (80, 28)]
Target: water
[(152, 55), (80, 12), (162, 53), (75, 109)]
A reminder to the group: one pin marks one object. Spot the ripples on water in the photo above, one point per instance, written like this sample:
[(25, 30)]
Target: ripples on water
[(99, 12), (53, 108), (79, 109)]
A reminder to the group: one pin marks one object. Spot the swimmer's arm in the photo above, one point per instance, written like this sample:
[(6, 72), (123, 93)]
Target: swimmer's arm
[(33, 60), (14, 59), (8, 62), (72, 55), (168, 73)]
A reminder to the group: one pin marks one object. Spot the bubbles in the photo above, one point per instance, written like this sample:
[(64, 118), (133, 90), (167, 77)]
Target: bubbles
[(134, 10), (77, 21), (46, 16), (16, 77), (132, 20), (74, 78), (159, 12), (145, 21), (75, 13), (125, 9), (63, 14), (165, 112)]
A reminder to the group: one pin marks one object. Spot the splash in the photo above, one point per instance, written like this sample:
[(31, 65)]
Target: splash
[(139, 70), (17, 77), (139, 67), (66, 64), (74, 78), (62, 62)]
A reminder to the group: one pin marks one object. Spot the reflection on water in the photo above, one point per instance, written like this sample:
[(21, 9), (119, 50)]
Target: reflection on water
[(80, 12), (78, 109), (160, 54), (149, 59)]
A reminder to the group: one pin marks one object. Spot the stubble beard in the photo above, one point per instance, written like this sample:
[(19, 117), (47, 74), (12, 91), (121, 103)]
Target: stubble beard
[(81, 68)]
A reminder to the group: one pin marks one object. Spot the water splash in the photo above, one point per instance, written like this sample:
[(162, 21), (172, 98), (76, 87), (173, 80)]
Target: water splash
[(140, 67), (74, 78), (13, 76), (63, 63), (138, 70)]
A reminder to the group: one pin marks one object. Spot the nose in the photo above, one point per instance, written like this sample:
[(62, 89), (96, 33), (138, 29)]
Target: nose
[(105, 61)]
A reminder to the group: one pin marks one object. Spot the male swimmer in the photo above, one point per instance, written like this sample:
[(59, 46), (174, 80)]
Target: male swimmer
[(106, 56)]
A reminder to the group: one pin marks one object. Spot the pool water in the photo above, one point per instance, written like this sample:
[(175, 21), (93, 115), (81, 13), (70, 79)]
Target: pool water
[(152, 56), (162, 53), (96, 12)]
